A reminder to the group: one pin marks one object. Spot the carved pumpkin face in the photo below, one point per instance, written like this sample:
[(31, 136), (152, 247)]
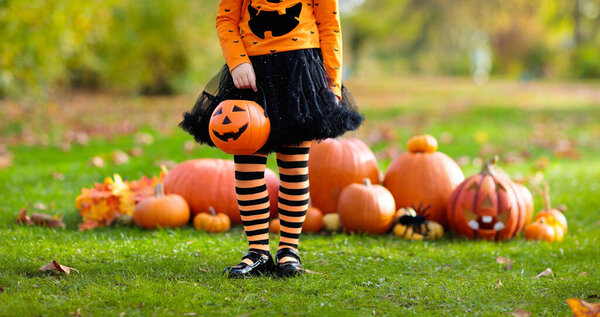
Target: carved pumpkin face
[(239, 127), (487, 206)]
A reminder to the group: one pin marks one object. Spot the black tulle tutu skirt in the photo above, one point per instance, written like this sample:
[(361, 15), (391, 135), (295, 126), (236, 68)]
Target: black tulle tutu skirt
[(299, 103)]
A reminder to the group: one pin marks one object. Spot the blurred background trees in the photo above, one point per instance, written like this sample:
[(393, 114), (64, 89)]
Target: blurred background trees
[(168, 46)]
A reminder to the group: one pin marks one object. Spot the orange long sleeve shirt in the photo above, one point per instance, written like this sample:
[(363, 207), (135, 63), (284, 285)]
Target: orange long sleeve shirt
[(257, 27)]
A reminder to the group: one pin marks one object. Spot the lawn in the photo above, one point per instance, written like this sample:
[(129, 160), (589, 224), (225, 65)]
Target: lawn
[(548, 129)]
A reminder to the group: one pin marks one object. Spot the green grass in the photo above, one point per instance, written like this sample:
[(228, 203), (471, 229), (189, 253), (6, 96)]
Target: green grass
[(174, 272)]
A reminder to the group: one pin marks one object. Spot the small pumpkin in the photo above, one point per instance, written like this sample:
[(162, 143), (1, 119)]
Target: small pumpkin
[(331, 222), (313, 222), (274, 225), (212, 222), (239, 127), (334, 164), (366, 208), (549, 224), (423, 175), (165, 211), (413, 224), (487, 205)]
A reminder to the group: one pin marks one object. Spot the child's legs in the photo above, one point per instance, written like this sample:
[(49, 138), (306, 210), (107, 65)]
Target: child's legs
[(293, 194), (253, 200)]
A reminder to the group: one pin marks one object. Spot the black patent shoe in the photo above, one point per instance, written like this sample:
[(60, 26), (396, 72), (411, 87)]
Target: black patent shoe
[(260, 266), (288, 268)]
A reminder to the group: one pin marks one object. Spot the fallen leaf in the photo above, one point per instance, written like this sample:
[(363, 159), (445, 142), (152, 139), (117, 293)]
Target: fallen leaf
[(97, 161), (498, 283), (122, 314), (136, 151), (76, 314), (1, 289), (119, 157), (520, 313), (144, 138), (190, 314), (593, 296), (566, 148), (542, 163), (58, 176), (584, 274), (6, 158), (546, 272), (189, 146), (53, 266), (463, 160), (583, 308), (503, 260), (37, 219), (311, 272), (40, 205)]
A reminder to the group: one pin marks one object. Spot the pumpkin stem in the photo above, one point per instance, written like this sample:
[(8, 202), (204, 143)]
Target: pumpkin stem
[(367, 182), (545, 193), (212, 211), (488, 166), (159, 190)]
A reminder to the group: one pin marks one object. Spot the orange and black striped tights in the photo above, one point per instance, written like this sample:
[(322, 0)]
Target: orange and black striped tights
[(253, 197)]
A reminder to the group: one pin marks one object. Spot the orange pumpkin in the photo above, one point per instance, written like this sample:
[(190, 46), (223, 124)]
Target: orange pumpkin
[(334, 164), (165, 211), (423, 176), (549, 224), (487, 205), (239, 127), (211, 182), (313, 221), (274, 225), (366, 208), (212, 222), (542, 229)]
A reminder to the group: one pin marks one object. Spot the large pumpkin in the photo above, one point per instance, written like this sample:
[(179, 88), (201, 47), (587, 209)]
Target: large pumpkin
[(211, 182), (423, 175), (487, 205), (239, 127), (366, 208), (165, 211), (334, 164)]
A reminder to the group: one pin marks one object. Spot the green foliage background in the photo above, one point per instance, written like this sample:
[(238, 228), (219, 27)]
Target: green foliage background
[(166, 46)]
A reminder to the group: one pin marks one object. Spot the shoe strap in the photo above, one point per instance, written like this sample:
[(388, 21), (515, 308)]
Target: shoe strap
[(255, 254), (282, 253)]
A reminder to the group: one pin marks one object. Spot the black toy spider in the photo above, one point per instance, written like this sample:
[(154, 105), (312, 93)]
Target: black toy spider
[(413, 224)]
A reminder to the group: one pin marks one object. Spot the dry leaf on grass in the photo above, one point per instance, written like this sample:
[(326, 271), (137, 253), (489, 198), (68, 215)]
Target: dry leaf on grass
[(520, 313), (547, 272), (498, 283), (97, 161), (53, 266), (77, 313), (311, 272), (503, 260), (582, 308), (119, 157), (1, 289), (37, 219)]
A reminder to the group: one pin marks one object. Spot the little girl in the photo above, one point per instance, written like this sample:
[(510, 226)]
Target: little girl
[(290, 50)]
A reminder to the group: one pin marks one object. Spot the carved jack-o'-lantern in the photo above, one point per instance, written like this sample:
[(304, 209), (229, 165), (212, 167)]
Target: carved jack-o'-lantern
[(487, 205), (239, 127)]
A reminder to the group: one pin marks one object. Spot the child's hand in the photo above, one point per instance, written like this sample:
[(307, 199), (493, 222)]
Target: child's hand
[(243, 77)]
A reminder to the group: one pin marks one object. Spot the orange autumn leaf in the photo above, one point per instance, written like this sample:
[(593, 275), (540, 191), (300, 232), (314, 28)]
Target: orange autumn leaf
[(104, 203), (582, 308)]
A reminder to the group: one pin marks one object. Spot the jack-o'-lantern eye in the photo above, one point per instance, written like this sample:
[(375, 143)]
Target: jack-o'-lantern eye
[(220, 111), (236, 108)]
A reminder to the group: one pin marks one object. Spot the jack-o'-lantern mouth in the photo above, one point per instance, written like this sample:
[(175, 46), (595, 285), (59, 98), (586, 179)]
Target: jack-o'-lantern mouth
[(489, 223), (231, 135)]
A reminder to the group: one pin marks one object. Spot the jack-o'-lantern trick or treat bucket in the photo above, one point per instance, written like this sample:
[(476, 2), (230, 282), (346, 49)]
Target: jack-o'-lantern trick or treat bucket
[(239, 127)]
